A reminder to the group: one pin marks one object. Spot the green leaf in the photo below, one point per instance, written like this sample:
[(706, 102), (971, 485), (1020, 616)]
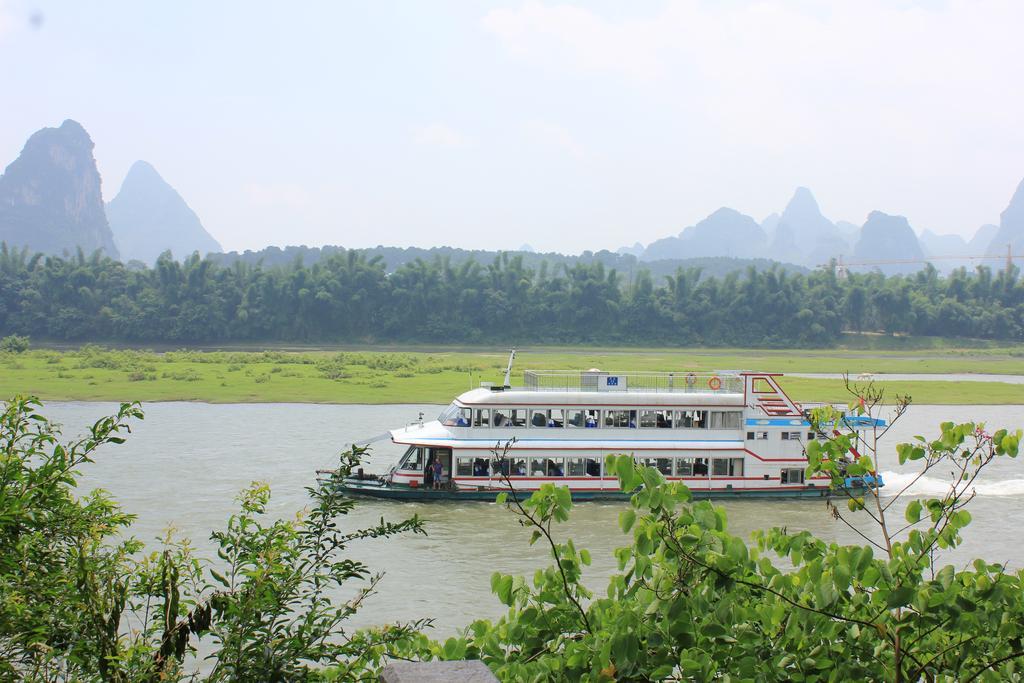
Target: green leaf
[(501, 498), (221, 579), (913, 512), (813, 453), (713, 630), (626, 519), (841, 576), (563, 498), (900, 596), (504, 590), (585, 556)]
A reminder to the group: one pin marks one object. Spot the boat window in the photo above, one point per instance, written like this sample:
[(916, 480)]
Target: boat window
[(656, 418), (537, 466), (480, 467), (552, 417), (556, 467), (482, 418), (517, 467), (757, 436), (727, 419), (582, 417), (620, 418), (464, 467), (584, 467), (663, 465), (727, 467), (692, 419), (790, 436), (455, 416), (413, 459), (691, 467), (792, 475), (508, 417)]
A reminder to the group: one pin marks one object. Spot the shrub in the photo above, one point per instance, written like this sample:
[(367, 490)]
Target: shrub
[(691, 601), (14, 344), (80, 600)]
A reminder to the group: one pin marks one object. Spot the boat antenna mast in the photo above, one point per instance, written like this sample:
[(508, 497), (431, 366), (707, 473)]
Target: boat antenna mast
[(508, 370)]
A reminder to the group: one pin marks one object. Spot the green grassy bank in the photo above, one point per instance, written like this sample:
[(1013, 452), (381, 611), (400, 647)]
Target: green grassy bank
[(94, 374)]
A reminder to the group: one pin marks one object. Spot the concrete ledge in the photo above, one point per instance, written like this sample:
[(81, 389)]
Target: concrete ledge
[(471, 671)]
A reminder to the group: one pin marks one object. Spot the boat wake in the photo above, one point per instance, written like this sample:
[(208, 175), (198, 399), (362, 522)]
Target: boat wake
[(933, 486)]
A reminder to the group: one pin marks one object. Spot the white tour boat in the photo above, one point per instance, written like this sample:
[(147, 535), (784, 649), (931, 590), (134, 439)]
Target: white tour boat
[(726, 434)]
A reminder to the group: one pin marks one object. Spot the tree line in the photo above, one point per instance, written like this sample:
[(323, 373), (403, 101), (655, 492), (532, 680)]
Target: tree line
[(349, 297)]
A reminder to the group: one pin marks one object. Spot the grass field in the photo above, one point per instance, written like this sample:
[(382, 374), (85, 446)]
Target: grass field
[(95, 374)]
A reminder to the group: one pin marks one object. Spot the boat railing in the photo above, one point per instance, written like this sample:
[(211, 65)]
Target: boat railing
[(657, 382)]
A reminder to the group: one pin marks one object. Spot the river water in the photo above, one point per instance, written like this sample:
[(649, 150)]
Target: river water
[(185, 463)]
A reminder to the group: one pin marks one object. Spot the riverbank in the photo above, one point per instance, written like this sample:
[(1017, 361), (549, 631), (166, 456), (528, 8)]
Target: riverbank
[(95, 374)]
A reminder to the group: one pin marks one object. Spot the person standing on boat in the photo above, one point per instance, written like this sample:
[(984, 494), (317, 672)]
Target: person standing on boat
[(428, 474), (438, 471)]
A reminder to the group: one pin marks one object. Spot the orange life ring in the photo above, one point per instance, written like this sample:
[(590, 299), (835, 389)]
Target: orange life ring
[(715, 383)]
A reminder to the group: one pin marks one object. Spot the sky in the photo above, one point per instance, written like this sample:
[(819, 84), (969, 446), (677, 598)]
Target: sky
[(564, 125)]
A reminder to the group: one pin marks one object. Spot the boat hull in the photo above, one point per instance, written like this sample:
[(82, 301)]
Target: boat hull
[(407, 493)]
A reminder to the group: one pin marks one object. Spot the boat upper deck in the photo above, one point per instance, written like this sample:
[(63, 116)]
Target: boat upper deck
[(517, 396), (599, 388), (633, 382)]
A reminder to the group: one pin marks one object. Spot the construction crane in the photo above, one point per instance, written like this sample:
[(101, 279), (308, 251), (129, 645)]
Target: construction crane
[(841, 267)]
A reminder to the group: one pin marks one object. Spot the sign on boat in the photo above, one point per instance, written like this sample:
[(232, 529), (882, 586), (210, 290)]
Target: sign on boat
[(724, 434)]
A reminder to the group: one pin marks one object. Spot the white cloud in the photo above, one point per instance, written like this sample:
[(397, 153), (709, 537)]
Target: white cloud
[(439, 135)]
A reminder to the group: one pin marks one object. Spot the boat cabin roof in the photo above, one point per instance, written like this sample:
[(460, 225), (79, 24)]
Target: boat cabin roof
[(484, 397), (614, 388)]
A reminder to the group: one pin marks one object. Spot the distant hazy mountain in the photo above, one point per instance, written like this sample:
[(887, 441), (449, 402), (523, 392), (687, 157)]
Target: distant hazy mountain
[(148, 217), (942, 245), (50, 196), (885, 237), (726, 232), (636, 250), (848, 230), (799, 235), (1011, 226), (804, 235), (934, 245), (982, 239)]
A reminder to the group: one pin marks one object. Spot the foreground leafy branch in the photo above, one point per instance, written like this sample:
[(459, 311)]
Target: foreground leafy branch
[(693, 602), (80, 602)]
